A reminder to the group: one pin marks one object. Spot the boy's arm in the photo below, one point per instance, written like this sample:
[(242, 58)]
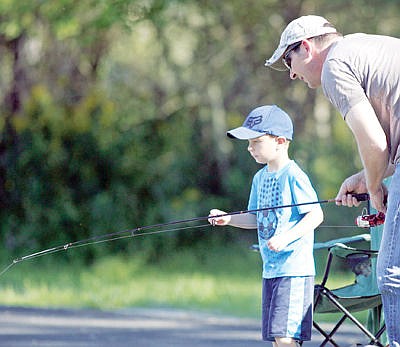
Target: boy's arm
[(243, 220), (308, 223)]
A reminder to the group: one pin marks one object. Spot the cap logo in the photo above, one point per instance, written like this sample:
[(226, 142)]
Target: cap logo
[(251, 122)]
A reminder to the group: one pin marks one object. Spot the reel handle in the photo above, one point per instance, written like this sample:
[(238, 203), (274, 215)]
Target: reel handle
[(370, 220)]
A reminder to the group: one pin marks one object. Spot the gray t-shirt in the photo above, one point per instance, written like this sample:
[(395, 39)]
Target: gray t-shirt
[(361, 66)]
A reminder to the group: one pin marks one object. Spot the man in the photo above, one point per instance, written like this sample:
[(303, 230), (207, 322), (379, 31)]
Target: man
[(360, 75)]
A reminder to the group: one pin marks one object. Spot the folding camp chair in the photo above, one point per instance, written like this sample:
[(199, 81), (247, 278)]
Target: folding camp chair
[(361, 295)]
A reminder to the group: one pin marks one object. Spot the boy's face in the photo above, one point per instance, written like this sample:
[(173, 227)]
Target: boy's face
[(264, 149)]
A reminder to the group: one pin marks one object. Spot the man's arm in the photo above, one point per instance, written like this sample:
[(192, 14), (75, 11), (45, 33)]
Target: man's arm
[(373, 149)]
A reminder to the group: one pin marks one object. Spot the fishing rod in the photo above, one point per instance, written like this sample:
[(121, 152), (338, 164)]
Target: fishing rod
[(138, 231)]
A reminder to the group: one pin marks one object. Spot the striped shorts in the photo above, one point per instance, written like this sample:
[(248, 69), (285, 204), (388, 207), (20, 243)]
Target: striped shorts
[(287, 308)]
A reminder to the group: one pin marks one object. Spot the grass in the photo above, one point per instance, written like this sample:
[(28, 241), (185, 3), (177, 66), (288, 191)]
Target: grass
[(223, 281)]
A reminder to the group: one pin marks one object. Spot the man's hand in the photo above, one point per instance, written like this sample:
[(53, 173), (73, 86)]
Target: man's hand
[(357, 184), (352, 184)]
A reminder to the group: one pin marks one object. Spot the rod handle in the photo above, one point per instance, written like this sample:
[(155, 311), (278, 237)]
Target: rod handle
[(361, 197)]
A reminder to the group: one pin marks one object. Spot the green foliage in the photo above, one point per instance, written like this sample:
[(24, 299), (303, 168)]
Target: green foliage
[(115, 112)]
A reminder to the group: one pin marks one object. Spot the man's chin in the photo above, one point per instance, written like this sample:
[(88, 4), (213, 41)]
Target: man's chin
[(313, 85)]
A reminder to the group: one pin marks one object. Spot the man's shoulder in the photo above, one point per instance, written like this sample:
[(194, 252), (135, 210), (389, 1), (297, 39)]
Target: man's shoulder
[(360, 43), (346, 45)]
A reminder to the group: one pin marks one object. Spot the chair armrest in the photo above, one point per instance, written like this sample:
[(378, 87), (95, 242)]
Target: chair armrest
[(343, 240), (329, 244), (343, 251)]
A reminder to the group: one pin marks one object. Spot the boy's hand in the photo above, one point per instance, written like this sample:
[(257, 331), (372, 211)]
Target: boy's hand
[(221, 219), (277, 243)]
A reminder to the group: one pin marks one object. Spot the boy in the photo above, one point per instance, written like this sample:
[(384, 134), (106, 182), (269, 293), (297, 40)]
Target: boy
[(286, 235)]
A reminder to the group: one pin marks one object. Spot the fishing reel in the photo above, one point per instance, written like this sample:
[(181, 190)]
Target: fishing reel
[(370, 220)]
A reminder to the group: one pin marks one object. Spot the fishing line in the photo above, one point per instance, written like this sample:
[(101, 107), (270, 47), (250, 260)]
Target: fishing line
[(138, 231), (94, 240)]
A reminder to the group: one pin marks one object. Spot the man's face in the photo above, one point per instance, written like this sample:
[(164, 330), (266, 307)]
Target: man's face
[(303, 65)]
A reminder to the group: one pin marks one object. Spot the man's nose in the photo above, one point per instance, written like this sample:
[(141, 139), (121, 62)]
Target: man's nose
[(292, 75)]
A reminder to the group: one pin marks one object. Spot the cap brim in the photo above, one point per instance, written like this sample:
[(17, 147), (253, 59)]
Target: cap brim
[(275, 62), (243, 133)]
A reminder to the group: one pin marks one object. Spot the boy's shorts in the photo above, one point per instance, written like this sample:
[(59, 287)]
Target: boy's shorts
[(287, 308)]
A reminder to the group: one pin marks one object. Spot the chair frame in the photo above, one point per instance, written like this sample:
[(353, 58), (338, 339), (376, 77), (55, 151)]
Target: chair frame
[(321, 289)]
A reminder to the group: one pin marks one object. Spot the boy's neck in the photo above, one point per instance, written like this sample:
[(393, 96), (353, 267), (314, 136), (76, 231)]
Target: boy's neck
[(278, 164)]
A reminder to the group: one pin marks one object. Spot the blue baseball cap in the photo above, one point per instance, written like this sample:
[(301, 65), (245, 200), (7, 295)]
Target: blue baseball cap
[(268, 119)]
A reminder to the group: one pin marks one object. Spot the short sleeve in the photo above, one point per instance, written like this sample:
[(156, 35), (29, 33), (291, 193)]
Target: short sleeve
[(253, 199), (341, 85), (303, 192)]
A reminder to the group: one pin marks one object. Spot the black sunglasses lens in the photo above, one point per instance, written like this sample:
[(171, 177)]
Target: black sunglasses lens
[(287, 57), (288, 62)]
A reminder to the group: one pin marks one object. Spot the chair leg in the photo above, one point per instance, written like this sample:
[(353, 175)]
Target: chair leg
[(378, 335), (328, 337), (373, 338), (380, 331)]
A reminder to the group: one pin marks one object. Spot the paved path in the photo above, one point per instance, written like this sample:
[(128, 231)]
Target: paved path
[(25, 327)]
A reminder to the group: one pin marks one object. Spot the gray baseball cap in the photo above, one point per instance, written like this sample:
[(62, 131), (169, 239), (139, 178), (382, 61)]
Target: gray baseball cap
[(297, 30), (268, 119)]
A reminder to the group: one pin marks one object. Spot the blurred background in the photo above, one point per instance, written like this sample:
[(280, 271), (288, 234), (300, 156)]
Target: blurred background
[(114, 113)]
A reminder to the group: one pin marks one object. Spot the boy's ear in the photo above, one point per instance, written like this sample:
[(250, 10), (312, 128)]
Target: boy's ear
[(281, 140)]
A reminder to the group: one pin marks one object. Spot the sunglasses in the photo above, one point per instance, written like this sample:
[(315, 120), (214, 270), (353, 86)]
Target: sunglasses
[(287, 60)]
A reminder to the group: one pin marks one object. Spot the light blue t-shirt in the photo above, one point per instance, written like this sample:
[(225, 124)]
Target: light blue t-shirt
[(288, 186)]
